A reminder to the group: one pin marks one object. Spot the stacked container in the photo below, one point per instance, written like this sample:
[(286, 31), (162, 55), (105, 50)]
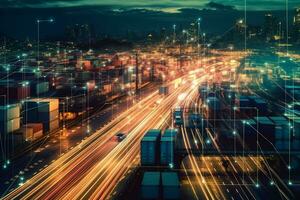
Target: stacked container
[(248, 132), (244, 102), (229, 96), (245, 107), (203, 92), (195, 121), (43, 111), (9, 118), (213, 110), (32, 131), (260, 104), (39, 87), (150, 148), (213, 103), (15, 91), (150, 185), (163, 90), (170, 185), (266, 129), (282, 132), (167, 147), (295, 126)]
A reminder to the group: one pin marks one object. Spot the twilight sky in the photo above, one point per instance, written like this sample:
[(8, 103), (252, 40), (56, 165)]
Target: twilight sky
[(164, 5)]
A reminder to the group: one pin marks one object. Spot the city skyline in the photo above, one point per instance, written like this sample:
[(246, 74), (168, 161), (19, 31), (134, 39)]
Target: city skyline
[(162, 5)]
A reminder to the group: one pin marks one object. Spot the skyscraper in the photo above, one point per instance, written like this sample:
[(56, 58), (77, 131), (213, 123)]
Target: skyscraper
[(270, 28), (296, 23)]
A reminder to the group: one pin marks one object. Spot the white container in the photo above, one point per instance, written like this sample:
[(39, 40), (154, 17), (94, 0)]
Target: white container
[(9, 112), (10, 126)]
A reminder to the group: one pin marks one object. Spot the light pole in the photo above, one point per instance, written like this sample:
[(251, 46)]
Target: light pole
[(204, 45), (198, 34), (174, 33), (38, 36)]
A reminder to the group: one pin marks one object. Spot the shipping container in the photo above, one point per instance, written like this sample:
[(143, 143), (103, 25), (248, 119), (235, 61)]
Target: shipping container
[(167, 149), (195, 121), (31, 134), (163, 90), (15, 92), (294, 121), (153, 132), (39, 87), (170, 185), (229, 96), (213, 103), (42, 105), (248, 130), (35, 126), (9, 112), (203, 93), (85, 76), (259, 103), (282, 128), (244, 103), (150, 147), (27, 133), (266, 130), (295, 145), (150, 188), (171, 133), (282, 145), (48, 116), (9, 126), (51, 126)]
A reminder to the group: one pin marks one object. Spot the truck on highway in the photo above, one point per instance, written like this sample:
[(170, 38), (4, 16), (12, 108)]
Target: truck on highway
[(178, 116)]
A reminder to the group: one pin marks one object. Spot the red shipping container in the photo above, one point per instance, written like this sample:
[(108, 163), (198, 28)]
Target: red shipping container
[(16, 92), (35, 126)]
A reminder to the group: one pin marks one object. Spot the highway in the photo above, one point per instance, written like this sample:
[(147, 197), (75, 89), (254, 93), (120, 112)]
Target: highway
[(93, 168)]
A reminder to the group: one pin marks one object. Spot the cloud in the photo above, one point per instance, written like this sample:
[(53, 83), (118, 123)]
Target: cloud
[(219, 6), (163, 5), (35, 3)]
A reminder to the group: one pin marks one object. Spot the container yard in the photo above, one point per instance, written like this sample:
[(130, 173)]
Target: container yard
[(45, 111)]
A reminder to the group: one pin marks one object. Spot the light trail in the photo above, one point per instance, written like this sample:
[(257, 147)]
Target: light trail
[(93, 168)]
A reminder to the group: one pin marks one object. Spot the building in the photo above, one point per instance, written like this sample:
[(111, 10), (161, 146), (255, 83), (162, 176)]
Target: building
[(270, 27), (79, 33), (296, 24)]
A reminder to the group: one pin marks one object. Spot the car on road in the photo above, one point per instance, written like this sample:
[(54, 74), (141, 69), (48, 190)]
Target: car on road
[(120, 137)]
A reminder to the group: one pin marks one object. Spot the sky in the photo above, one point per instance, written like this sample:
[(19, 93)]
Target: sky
[(162, 5), (117, 17)]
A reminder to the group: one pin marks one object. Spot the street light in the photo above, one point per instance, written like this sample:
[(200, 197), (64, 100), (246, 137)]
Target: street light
[(198, 34), (174, 33)]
